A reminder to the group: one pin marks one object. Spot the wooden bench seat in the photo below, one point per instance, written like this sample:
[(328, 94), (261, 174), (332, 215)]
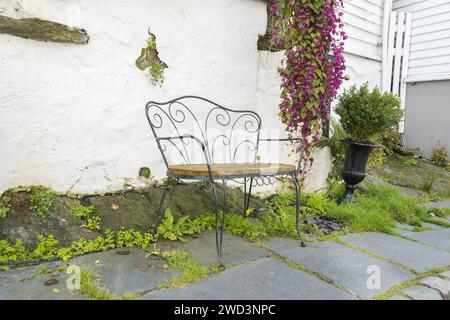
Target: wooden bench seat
[(230, 170)]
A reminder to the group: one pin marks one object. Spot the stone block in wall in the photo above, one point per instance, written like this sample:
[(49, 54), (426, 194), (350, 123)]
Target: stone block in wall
[(42, 30), (317, 179)]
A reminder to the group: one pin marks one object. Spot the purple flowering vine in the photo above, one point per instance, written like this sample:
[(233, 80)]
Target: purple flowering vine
[(310, 31)]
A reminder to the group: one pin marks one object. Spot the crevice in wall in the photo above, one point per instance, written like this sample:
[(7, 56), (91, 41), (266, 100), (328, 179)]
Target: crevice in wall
[(149, 60), (265, 41), (42, 30)]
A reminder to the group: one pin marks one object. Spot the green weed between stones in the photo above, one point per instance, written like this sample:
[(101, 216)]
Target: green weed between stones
[(92, 222), (440, 212), (421, 229), (438, 222), (377, 210), (4, 212), (192, 271), (82, 212), (41, 199), (90, 285)]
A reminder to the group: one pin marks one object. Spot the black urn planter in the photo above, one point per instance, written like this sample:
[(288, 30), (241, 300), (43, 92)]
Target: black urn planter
[(354, 168)]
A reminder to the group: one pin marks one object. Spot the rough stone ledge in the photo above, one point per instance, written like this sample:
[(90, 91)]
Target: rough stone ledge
[(42, 30)]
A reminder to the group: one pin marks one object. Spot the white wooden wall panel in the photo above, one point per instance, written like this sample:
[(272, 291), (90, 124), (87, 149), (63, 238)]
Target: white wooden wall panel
[(398, 52), (430, 38), (364, 26)]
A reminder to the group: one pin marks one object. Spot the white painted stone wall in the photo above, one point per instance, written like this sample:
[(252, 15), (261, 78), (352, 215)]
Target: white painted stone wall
[(72, 116)]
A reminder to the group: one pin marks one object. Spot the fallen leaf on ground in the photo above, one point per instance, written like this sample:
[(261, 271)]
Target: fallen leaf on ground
[(164, 266), (115, 207), (55, 273), (51, 282), (144, 266), (56, 290)]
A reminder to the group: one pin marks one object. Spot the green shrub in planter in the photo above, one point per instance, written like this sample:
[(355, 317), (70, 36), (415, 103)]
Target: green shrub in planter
[(366, 113)]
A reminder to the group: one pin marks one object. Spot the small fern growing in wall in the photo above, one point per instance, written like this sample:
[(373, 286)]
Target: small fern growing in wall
[(149, 62)]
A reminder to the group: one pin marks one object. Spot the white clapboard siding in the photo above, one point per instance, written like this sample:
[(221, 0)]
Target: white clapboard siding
[(363, 21), (430, 38)]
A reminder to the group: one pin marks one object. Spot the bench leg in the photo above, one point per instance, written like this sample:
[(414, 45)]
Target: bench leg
[(220, 223), (297, 209), (247, 195), (169, 188)]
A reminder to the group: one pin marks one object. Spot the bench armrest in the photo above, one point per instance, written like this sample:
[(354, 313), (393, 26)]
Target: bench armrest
[(185, 136), (192, 137), (281, 139), (288, 140)]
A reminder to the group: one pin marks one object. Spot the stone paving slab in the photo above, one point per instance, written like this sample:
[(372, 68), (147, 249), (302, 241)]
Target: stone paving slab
[(439, 284), (343, 265), (133, 272), (438, 204), (422, 293), (431, 225), (417, 256), (27, 284), (236, 249), (265, 279), (438, 237), (407, 231)]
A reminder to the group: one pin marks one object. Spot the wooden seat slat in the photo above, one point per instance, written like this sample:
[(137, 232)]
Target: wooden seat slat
[(230, 170)]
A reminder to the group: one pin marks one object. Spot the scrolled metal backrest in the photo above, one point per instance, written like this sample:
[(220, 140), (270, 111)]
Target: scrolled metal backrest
[(228, 136)]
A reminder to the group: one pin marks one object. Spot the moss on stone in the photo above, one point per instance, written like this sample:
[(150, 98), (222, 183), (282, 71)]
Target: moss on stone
[(144, 172), (42, 30)]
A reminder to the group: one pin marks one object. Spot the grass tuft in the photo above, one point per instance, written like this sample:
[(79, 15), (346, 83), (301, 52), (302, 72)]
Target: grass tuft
[(192, 270)]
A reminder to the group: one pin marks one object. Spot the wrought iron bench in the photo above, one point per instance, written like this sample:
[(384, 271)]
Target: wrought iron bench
[(226, 143)]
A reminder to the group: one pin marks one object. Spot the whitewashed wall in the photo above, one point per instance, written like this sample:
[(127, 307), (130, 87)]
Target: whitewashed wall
[(72, 116), (430, 38)]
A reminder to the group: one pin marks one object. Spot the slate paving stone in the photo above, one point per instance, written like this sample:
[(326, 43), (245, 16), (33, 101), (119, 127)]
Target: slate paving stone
[(348, 267), (404, 231), (123, 273), (27, 284), (422, 293), (203, 249), (263, 279), (431, 225), (439, 284), (438, 237), (438, 204), (417, 256)]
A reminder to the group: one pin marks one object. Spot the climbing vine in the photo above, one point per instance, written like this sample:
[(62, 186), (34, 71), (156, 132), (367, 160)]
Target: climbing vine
[(311, 33)]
